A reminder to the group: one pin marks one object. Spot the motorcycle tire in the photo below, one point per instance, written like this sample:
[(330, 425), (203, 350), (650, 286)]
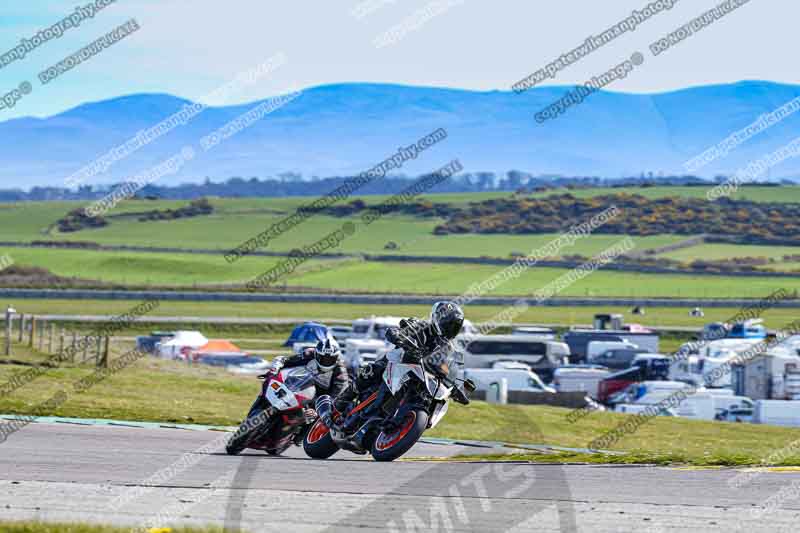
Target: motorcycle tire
[(318, 443), (242, 437), (388, 447)]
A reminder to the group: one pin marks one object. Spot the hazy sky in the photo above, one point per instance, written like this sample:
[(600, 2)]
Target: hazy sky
[(190, 47)]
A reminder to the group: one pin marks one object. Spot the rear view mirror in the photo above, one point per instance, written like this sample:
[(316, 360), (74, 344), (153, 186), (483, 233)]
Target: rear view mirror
[(469, 385)]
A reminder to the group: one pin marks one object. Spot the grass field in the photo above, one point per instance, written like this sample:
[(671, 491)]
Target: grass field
[(354, 275), (165, 391), (717, 251), (237, 220), (229, 227), (143, 268), (455, 279), (656, 316)]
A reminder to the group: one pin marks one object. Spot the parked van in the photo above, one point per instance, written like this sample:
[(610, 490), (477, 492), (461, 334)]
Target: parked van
[(652, 392), (598, 347), (618, 359), (698, 406), (777, 412), (579, 378), (543, 356), (518, 380)]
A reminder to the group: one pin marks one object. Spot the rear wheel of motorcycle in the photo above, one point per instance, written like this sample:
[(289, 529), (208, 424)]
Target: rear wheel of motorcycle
[(318, 443), (390, 446), (249, 428)]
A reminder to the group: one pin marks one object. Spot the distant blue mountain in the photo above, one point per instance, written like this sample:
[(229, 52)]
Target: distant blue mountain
[(343, 129)]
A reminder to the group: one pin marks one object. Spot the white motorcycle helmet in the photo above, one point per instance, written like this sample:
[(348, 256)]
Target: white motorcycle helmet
[(327, 354)]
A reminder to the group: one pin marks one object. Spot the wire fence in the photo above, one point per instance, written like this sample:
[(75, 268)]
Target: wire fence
[(51, 338)]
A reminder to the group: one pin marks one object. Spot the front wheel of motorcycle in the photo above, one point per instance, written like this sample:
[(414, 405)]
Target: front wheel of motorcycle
[(249, 428), (391, 445), (318, 443)]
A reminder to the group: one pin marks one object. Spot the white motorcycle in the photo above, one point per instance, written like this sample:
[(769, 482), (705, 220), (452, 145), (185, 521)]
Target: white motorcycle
[(388, 421)]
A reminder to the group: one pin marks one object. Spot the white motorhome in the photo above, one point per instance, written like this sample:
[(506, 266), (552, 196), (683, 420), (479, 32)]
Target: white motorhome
[(543, 356), (700, 369), (518, 380), (772, 376)]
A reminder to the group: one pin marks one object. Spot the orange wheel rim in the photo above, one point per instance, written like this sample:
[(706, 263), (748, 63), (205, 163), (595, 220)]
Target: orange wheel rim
[(385, 441), (317, 432)]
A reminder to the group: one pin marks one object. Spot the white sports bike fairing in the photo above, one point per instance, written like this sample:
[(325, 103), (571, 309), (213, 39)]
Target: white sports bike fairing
[(280, 396), (397, 374), (296, 381)]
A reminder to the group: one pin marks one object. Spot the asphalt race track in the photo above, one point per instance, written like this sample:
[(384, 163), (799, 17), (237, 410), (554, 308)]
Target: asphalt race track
[(98, 474)]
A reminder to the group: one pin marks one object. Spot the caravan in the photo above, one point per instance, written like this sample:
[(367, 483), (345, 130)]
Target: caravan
[(701, 369)]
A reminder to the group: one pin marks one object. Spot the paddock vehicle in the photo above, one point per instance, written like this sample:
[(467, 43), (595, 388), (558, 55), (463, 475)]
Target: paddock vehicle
[(368, 341), (389, 419), (542, 356), (280, 415), (645, 367), (517, 379)]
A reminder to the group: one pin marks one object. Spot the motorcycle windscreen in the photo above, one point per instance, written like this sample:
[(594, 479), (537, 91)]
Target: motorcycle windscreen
[(396, 374), (298, 379), (295, 381), (444, 364)]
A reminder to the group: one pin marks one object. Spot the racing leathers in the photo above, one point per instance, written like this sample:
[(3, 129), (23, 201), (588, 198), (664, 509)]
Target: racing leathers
[(331, 382), (417, 338)]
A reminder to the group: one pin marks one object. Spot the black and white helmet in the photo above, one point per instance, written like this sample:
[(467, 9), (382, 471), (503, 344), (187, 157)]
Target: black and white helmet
[(447, 319), (327, 354)]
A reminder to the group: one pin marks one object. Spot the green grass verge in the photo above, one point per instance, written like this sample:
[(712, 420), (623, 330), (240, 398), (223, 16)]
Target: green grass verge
[(663, 440), (164, 391)]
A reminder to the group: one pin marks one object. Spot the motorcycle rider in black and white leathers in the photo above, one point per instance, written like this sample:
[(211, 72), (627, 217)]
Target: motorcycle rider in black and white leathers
[(417, 338), (331, 374), (331, 378)]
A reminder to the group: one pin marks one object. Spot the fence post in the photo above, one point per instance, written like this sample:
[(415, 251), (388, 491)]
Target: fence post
[(98, 351), (61, 343), (9, 320), (50, 341), (22, 319), (32, 336), (105, 352), (74, 345), (42, 327), (85, 348)]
